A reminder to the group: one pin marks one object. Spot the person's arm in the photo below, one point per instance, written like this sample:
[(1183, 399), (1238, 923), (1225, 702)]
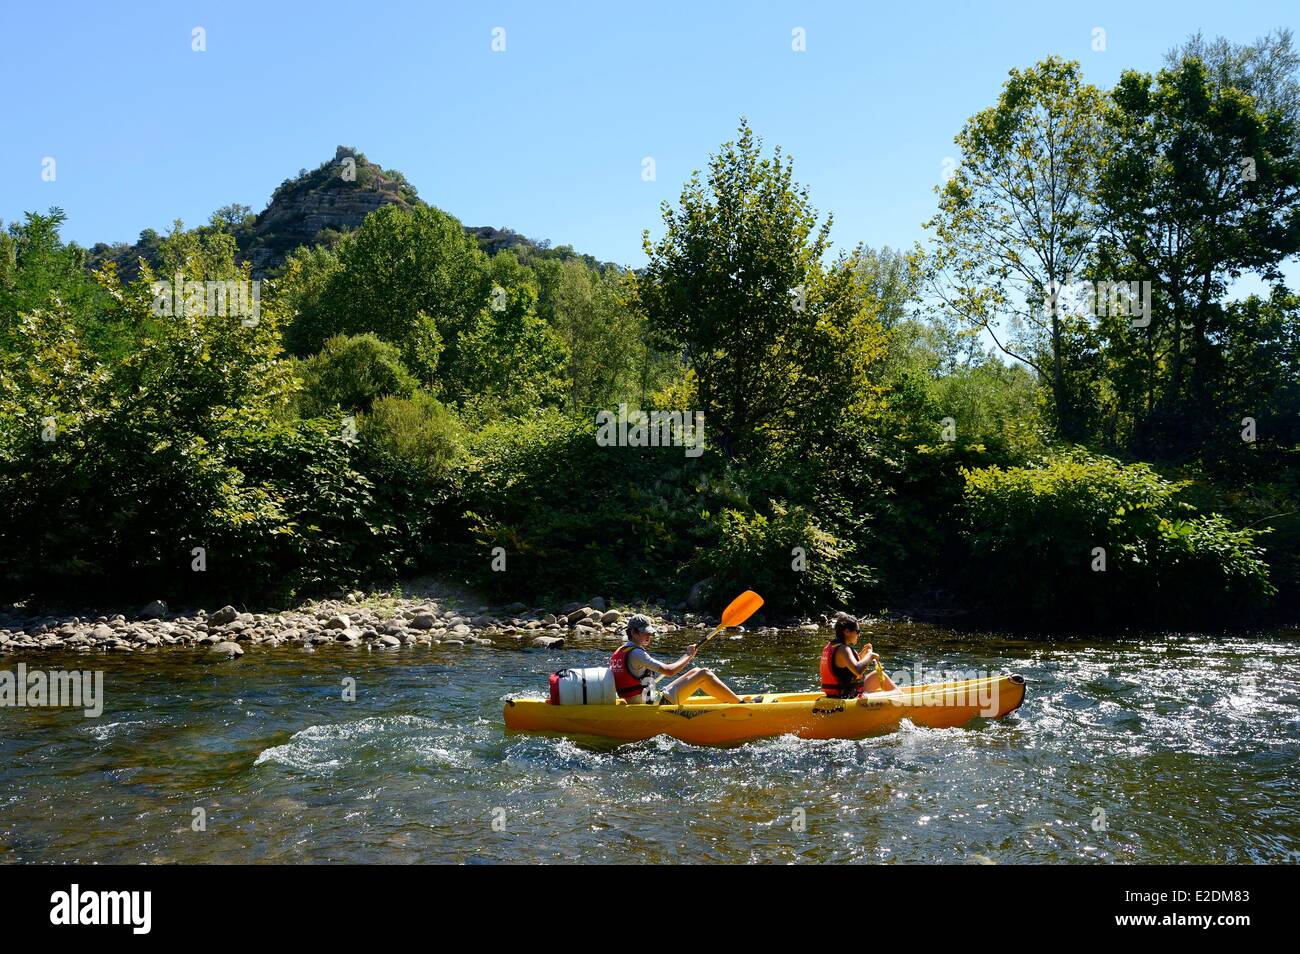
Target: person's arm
[(668, 670), (858, 665), (684, 661)]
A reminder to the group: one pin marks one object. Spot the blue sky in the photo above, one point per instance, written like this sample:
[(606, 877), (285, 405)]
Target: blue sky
[(547, 137)]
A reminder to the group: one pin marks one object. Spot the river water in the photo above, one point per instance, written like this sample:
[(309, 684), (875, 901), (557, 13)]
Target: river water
[(1154, 749)]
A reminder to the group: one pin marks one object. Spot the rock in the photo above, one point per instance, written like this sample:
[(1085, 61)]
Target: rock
[(514, 609), (578, 614), (453, 642), (390, 641), (227, 614), (155, 610), (548, 642), (228, 649), (599, 604), (610, 617), (422, 621), (102, 632), (338, 622), (698, 595)]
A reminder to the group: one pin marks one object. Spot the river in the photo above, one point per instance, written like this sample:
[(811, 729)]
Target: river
[(1153, 749)]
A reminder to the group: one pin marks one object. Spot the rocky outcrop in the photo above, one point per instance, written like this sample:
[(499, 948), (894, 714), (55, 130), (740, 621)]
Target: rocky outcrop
[(335, 197), (315, 207)]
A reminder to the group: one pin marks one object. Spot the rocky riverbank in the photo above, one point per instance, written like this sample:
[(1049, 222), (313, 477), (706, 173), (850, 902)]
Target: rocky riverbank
[(355, 622)]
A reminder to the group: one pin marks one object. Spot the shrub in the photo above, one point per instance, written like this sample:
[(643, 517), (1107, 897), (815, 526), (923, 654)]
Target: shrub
[(783, 554), (1033, 534), (352, 372), (573, 517), (415, 432)]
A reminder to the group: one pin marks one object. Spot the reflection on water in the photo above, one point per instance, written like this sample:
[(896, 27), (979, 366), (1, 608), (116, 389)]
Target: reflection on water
[(1158, 749)]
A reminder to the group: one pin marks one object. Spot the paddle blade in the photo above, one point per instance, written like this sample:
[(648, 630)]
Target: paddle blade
[(742, 608)]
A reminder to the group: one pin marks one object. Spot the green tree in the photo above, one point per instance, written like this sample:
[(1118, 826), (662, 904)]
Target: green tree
[(38, 270), (603, 335), (508, 360), (779, 342), (1018, 218), (1266, 70), (411, 276), (1204, 187), (892, 281)]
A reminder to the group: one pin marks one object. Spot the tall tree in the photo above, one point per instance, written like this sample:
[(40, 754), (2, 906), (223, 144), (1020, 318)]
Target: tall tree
[(1017, 219), (780, 342), (603, 334), (1265, 70), (1204, 187), (891, 279)]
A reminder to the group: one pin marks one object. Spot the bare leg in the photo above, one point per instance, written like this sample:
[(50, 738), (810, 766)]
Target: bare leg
[(873, 683), (698, 680)]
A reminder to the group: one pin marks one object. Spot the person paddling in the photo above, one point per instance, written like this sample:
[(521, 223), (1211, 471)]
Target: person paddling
[(845, 674), (636, 671)]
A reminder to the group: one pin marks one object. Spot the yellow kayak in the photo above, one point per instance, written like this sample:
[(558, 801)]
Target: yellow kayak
[(809, 715)]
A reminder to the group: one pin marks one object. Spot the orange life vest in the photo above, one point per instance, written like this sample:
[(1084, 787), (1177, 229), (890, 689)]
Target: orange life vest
[(838, 682), (627, 685)]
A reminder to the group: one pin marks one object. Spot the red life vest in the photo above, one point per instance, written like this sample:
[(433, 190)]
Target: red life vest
[(838, 682), (627, 685)]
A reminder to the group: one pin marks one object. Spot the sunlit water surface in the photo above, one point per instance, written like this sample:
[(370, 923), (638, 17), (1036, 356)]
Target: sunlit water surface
[(1153, 749)]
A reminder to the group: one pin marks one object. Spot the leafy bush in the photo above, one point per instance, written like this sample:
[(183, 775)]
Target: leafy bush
[(352, 372), (782, 554), (1033, 534), (572, 516), (417, 432)]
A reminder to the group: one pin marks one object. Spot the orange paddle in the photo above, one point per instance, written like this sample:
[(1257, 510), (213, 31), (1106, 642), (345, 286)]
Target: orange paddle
[(741, 608)]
